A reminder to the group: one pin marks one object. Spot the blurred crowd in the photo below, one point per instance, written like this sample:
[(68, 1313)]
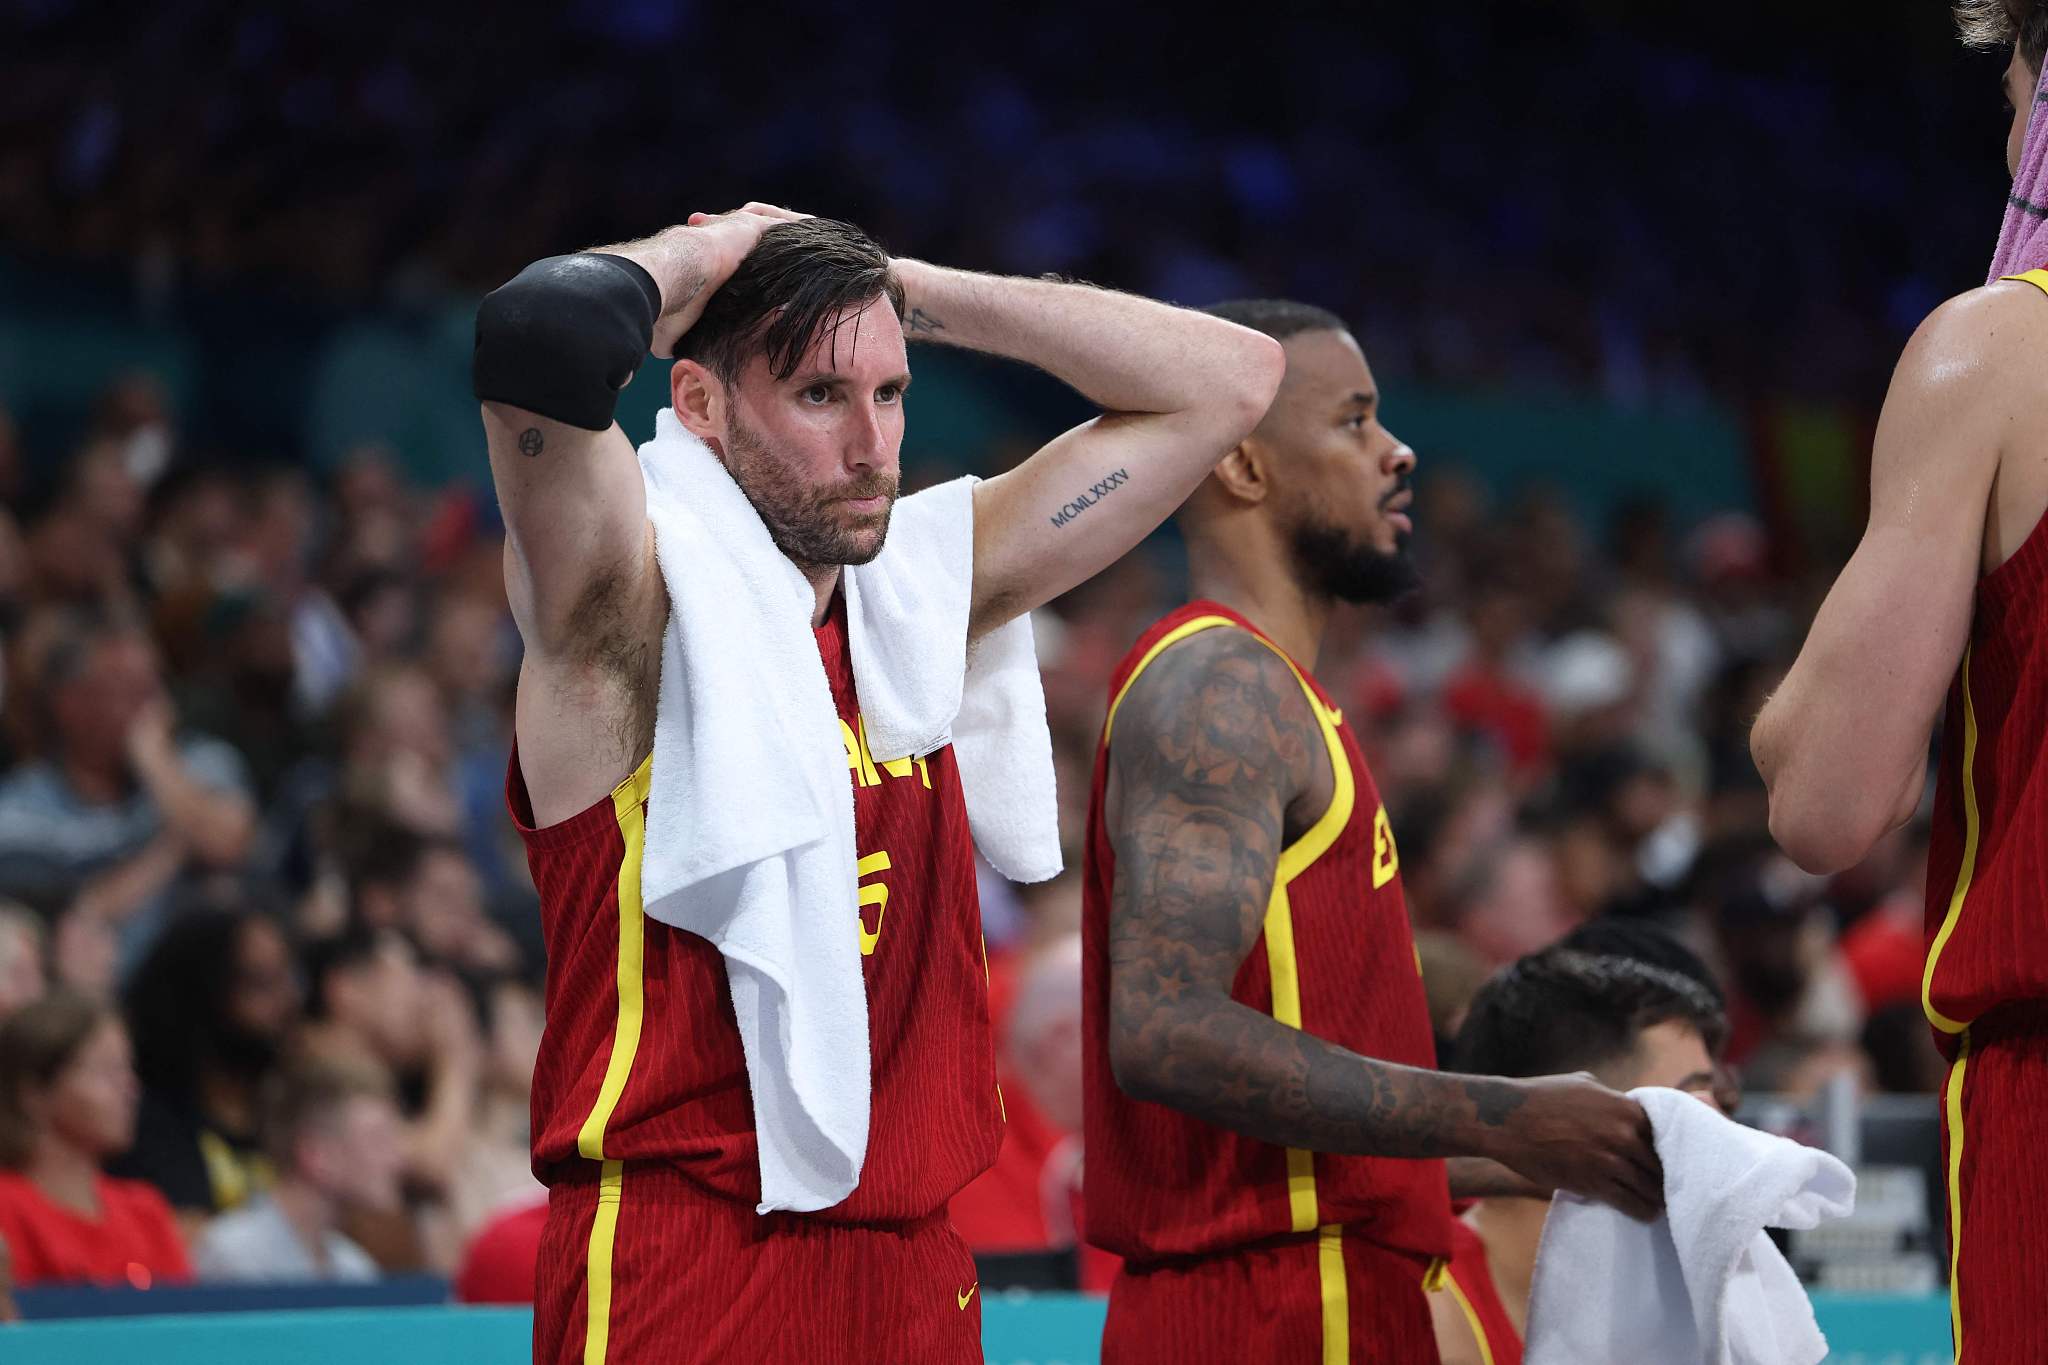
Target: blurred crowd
[(270, 972), (268, 946), (1639, 202)]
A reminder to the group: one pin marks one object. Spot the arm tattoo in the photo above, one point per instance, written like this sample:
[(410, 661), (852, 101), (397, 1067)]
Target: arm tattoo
[(1096, 493), (530, 442), (1212, 744), (920, 323)]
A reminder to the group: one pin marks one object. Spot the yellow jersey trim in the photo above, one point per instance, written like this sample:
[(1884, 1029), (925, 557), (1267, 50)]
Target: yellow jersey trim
[(1954, 1100), (1457, 1291), (604, 1227), (1336, 1295), (1159, 647), (1964, 872), (628, 802), (2037, 278)]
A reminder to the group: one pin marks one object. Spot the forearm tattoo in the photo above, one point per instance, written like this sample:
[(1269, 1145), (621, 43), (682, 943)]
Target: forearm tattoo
[(920, 323), (1096, 493), (1211, 745)]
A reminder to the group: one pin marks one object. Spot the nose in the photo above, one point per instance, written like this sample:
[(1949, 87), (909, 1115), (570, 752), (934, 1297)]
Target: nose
[(868, 446), (1401, 459)]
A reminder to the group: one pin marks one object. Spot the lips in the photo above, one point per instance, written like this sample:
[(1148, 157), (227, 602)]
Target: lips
[(868, 505)]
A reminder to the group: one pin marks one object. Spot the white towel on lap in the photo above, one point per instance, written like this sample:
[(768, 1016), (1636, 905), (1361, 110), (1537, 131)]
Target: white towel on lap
[(1703, 1284), (750, 839)]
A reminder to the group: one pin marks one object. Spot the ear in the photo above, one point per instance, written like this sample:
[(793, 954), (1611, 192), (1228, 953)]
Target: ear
[(1242, 472), (699, 399)]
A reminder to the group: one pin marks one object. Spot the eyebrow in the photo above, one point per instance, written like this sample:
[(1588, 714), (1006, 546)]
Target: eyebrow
[(1697, 1079), (1363, 398), (833, 377)]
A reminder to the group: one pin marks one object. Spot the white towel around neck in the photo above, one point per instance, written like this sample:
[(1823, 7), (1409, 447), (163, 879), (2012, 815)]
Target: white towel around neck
[(749, 836), (1703, 1284)]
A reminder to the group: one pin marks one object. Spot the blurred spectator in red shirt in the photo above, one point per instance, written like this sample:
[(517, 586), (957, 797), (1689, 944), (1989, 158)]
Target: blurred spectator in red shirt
[(67, 1102), (498, 1265)]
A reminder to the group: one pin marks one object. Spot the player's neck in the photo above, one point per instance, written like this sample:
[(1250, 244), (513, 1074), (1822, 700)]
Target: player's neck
[(1267, 595), (824, 581), (1511, 1228)]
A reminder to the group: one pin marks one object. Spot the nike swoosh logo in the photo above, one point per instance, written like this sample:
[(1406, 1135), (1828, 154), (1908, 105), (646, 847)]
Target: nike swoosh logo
[(967, 1294)]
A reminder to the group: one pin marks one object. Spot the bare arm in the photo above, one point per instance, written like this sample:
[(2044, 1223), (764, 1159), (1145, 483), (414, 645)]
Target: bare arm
[(1842, 745), (1178, 389), (1212, 745), (216, 827), (575, 510)]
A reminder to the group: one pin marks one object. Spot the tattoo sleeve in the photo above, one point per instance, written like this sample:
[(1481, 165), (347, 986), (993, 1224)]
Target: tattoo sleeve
[(1211, 746)]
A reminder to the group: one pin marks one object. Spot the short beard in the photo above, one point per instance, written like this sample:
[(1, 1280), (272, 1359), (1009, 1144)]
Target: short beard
[(799, 518), (1337, 564)]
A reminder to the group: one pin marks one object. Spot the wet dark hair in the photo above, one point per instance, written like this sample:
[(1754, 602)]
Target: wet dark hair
[(1277, 318), (1559, 1010), (1997, 24), (800, 280)]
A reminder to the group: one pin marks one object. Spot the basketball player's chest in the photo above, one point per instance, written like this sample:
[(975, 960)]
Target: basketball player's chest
[(918, 905)]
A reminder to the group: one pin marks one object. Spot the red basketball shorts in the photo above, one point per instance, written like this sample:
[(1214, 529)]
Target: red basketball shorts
[(639, 1267), (1994, 1121), (1321, 1299)]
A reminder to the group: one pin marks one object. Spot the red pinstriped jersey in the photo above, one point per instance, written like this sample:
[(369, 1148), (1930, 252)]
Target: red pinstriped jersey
[(1469, 1280), (1987, 855), (1336, 958), (641, 1059)]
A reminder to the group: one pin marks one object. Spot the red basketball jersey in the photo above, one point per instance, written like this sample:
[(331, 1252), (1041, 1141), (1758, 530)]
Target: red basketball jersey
[(640, 1058), (1469, 1280), (1987, 857), (1336, 958)]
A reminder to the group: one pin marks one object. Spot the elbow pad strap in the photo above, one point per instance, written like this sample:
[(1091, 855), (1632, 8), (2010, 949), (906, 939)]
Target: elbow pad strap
[(564, 335)]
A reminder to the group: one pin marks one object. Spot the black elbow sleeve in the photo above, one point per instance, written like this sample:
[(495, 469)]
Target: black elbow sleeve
[(564, 335)]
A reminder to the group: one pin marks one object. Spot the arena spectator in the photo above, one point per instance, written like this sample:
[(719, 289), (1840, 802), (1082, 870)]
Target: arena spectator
[(67, 1104), (210, 1009), (122, 806), (21, 958), (1507, 902), (85, 952), (496, 1170), (498, 1265), (398, 755), (426, 887), (335, 1141), (370, 1003)]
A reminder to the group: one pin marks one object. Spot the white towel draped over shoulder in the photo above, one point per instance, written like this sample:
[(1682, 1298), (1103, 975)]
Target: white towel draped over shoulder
[(1703, 1284), (750, 839)]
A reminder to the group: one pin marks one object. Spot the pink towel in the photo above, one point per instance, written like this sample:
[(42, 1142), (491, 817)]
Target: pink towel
[(2023, 241)]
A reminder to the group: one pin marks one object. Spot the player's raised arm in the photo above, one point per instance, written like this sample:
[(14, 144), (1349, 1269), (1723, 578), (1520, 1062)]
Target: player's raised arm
[(1178, 389), (554, 346), (1842, 745), (1213, 744)]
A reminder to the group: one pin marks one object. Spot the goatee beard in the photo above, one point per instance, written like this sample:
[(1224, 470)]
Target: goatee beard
[(1338, 564)]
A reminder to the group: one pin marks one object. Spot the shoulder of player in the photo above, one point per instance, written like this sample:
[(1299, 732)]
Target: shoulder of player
[(1221, 679), (1986, 341)]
